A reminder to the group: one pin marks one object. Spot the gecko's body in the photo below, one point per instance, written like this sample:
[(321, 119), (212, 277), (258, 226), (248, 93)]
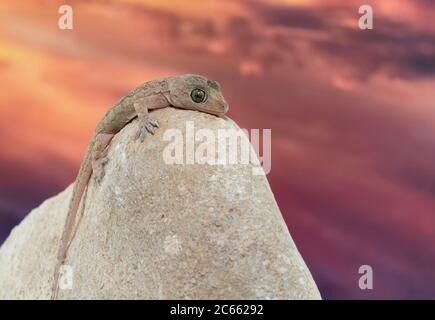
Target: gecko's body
[(186, 91)]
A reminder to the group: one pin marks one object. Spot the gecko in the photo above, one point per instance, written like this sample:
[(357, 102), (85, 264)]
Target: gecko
[(188, 91)]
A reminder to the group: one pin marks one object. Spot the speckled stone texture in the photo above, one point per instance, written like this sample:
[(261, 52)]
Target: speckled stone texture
[(158, 231)]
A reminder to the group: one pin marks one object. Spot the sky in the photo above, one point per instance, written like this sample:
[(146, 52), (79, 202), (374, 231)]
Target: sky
[(351, 111)]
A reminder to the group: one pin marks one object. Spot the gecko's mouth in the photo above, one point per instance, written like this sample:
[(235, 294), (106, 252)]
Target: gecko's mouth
[(217, 112)]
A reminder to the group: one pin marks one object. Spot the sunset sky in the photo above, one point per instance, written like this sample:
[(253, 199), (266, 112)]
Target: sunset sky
[(352, 113)]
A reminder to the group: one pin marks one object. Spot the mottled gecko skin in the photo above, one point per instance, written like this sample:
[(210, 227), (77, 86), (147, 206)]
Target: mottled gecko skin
[(188, 91)]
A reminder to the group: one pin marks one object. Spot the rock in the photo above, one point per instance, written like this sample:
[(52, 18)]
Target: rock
[(152, 230)]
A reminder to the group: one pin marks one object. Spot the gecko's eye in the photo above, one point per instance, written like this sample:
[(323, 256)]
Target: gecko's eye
[(198, 95)]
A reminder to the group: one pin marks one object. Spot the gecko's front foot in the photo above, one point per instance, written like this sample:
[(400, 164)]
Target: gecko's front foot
[(149, 125)]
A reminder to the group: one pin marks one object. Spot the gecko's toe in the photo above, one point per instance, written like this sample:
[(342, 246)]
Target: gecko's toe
[(149, 125), (151, 128), (153, 122), (141, 133)]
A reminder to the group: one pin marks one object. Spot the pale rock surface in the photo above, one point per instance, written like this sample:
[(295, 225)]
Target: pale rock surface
[(158, 231)]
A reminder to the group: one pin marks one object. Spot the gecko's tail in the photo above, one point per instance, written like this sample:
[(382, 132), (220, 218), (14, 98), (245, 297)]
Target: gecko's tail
[(70, 222)]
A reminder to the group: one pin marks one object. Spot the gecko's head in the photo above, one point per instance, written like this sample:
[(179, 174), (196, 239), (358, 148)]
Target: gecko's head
[(197, 93)]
